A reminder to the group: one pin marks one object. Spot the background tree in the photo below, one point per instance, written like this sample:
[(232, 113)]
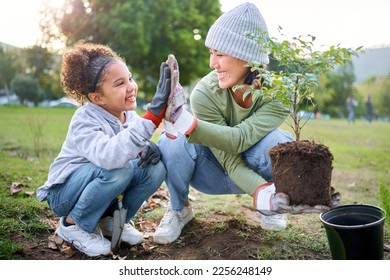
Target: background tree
[(43, 66), (379, 89), (38, 61), (334, 88), (383, 103), (143, 32), (9, 66), (26, 88)]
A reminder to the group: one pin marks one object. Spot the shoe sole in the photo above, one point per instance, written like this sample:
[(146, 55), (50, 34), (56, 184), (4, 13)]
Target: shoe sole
[(132, 244)]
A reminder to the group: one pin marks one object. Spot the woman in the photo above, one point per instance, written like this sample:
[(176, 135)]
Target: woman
[(232, 134), (223, 148)]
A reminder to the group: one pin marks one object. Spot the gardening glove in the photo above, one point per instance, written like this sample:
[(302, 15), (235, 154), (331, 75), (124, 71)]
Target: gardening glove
[(268, 202), (150, 155), (177, 119), (156, 109)]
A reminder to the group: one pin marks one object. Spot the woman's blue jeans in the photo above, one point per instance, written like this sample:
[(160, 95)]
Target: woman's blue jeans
[(195, 165), (90, 192)]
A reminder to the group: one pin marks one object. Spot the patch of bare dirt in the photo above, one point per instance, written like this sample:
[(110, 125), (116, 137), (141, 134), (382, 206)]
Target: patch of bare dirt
[(218, 238)]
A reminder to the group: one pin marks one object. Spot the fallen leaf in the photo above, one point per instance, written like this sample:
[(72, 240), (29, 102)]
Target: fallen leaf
[(147, 226), (31, 194), (114, 257), (148, 248), (52, 245), (154, 202), (52, 222), (15, 188), (58, 240), (51, 237), (67, 250), (148, 234), (162, 193), (55, 242)]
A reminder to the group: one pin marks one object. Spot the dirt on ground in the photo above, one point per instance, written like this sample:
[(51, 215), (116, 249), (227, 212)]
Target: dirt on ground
[(217, 236), (199, 241)]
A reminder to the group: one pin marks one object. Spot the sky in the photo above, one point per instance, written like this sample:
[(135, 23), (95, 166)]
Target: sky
[(350, 23)]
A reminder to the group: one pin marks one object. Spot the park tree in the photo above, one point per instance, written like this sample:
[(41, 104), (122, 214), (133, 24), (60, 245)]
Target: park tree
[(383, 102), (26, 88), (334, 88), (379, 89), (143, 32), (43, 66), (9, 66), (38, 61)]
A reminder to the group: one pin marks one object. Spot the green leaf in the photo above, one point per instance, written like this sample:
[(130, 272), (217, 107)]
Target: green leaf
[(299, 69)]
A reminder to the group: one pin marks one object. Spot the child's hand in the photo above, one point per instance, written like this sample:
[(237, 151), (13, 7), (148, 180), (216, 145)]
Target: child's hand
[(150, 155)]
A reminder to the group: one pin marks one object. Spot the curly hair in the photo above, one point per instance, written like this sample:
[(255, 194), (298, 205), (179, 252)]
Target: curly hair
[(83, 69)]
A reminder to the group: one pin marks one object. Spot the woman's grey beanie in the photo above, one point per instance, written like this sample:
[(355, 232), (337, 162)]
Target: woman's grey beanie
[(229, 34)]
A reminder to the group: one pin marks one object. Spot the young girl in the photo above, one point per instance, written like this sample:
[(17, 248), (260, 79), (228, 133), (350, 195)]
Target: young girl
[(106, 152)]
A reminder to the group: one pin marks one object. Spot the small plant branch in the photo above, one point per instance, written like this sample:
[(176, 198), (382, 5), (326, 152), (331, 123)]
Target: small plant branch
[(296, 77)]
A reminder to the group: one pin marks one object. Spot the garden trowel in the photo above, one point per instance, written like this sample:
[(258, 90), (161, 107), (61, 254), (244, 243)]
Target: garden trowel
[(118, 224)]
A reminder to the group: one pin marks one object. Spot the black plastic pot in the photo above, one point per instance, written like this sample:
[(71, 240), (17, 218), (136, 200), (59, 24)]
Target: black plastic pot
[(355, 232)]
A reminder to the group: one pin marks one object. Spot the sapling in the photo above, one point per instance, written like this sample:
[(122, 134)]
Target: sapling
[(296, 78), (301, 169)]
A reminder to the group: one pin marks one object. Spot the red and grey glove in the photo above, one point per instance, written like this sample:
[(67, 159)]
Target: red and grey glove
[(266, 201), (156, 109), (177, 119)]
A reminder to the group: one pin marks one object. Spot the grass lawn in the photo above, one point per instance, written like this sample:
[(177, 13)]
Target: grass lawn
[(30, 139)]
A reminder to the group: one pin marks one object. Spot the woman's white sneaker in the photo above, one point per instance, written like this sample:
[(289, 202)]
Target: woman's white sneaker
[(171, 225)]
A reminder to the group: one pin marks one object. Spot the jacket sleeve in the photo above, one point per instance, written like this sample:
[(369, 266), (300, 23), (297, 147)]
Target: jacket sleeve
[(243, 176), (109, 150), (213, 131)]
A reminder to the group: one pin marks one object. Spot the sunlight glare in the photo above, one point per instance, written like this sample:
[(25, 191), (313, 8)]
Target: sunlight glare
[(55, 3)]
